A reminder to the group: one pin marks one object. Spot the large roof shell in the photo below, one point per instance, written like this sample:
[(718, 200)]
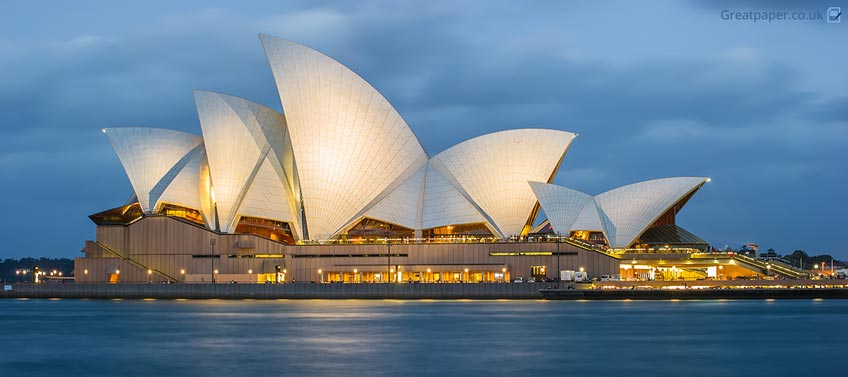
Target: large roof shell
[(351, 144), (240, 137), (152, 158), (493, 170), (562, 205), (631, 209), (623, 214)]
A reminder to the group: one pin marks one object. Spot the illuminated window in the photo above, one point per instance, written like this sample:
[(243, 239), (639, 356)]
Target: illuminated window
[(370, 229), (538, 271), (272, 229), (477, 230), (181, 212), (123, 215)]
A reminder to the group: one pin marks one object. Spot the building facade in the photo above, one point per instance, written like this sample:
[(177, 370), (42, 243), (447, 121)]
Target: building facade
[(338, 182)]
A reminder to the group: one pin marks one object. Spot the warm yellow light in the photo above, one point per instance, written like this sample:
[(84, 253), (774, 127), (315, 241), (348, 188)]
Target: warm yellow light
[(150, 272), (250, 271), (85, 272), (581, 269), (503, 270), (117, 272), (355, 271), (466, 270), (212, 194), (216, 271), (60, 274), (319, 271), (285, 271), (182, 272)]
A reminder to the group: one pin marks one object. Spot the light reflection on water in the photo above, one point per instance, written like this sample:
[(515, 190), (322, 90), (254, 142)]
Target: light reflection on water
[(427, 337)]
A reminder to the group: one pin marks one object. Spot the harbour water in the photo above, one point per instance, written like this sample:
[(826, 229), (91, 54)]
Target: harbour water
[(398, 338)]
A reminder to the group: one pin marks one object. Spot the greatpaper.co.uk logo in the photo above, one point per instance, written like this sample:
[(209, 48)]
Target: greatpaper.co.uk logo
[(833, 15)]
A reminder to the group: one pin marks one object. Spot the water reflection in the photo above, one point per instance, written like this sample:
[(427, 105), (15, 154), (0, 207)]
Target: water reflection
[(382, 338)]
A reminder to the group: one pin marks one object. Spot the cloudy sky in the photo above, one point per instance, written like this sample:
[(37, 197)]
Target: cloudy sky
[(655, 90)]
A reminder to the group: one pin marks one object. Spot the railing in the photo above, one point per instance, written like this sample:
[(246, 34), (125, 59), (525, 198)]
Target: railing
[(136, 263), (662, 250), (770, 267), (589, 247), (783, 263)]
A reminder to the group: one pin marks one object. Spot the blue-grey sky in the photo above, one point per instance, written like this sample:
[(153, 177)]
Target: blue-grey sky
[(654, 89)]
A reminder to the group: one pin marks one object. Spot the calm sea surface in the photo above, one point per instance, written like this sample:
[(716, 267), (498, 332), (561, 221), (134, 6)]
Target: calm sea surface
[(398, 338)]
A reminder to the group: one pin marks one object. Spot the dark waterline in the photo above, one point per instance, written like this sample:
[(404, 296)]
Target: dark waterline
[(397, 338)]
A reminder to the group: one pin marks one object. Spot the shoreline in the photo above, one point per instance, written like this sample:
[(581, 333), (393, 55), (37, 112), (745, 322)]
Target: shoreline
[(823, 289), (697, 294)]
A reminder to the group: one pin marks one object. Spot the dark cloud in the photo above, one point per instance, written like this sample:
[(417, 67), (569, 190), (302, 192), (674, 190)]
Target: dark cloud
[(767, 127)]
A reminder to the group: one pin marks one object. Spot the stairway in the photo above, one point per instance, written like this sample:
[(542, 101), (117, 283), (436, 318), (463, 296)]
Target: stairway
[(768, 268), (137, 264)]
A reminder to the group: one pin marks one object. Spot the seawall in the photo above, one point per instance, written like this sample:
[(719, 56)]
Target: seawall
[(696, 294), (277, 291), (408, 291)]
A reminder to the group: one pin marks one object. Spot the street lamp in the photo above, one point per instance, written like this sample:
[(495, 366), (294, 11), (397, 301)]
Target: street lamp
[(559, 238), (212, 243), (389, 258)]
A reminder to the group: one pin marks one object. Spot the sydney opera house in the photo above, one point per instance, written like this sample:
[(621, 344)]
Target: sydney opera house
[(338, 188)]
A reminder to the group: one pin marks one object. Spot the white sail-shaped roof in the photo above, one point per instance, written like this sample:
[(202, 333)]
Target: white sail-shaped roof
[(152, 158), (184, 190), (626, 212), (240, 137), (493, 170), (266, 197), (444, 204), (403, 205), (349, 142), (427, 200), (589, 218), (562, 205)]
